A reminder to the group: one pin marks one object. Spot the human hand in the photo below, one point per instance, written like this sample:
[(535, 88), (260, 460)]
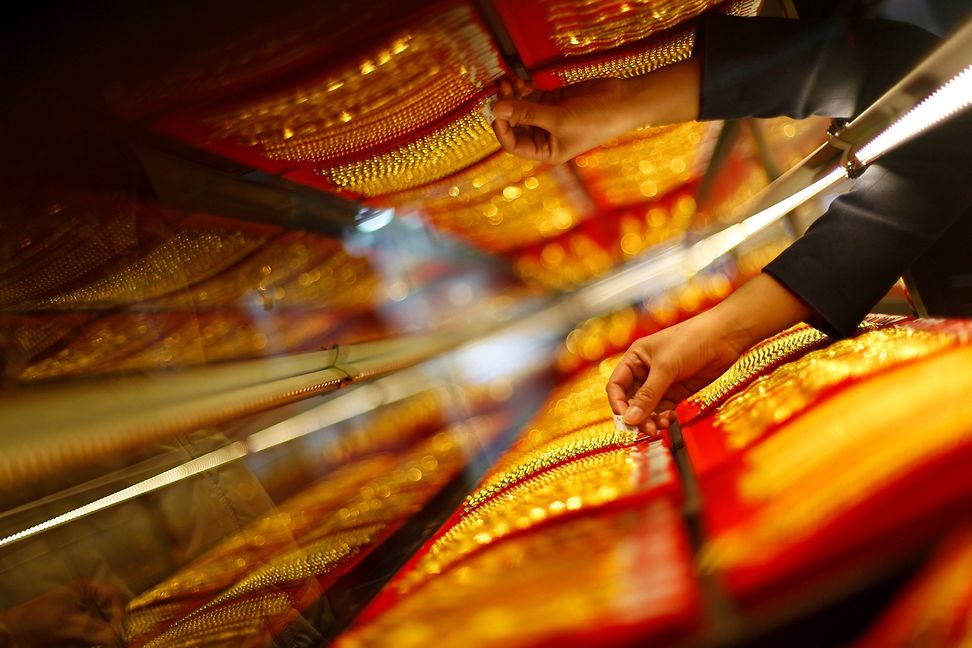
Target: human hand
[(659, 370), (554, 126)]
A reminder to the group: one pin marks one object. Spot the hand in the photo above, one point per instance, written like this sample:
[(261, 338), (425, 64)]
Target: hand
[(555, 126), (660, 370)]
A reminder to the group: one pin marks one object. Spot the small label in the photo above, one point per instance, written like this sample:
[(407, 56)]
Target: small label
[(621, 426), (486, 109)]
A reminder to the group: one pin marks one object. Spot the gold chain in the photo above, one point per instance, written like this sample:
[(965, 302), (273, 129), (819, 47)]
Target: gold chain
[(772, 399), (450, 148)]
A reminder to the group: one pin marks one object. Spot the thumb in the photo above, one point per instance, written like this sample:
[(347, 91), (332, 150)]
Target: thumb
[(526, 112), (648, 396)]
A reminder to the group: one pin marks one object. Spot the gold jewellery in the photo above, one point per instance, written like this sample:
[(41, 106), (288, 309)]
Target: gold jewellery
[(844, 452), (435, 155), (416, 78), (789, 390)]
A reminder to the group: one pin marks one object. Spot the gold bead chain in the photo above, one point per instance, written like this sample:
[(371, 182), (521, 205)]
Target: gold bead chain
[(566, 448), (179, 262), (586, 26), (416, 78), (451, 147), (582, 484), (226, 626), (82, 244), (626, 66), (772, 399), (757, 359), (843, 452), (229, 561), (277, 260)]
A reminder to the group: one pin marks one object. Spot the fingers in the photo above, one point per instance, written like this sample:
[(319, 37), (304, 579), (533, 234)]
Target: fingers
[(522, 88), (526, 112), (664, 419), (617, 388), (530, 145), (649, 395)]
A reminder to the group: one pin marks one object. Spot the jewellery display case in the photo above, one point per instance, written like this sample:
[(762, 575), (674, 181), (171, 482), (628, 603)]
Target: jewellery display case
[(294, 354)]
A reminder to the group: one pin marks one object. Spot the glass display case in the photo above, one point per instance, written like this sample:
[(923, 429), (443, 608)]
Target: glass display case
[(293, 354)]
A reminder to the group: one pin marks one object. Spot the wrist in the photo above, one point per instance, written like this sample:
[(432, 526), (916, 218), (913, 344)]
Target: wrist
[(758, 309), (667, 95)]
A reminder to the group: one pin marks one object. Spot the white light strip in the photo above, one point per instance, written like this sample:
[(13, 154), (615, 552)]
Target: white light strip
[(364, 399), (677, 265), (206, 462), (707, 251), (951, 98)]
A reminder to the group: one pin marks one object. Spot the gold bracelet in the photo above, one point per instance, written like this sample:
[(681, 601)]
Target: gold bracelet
[(597, 437), (843, 452), (526, 589), (588, 481), (416, 78), (449, 148), (670, 50), (582, 27), (184, 259), (790, 389)]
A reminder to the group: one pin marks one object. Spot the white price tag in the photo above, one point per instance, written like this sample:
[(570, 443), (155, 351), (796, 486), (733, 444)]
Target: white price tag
[(621, 426)]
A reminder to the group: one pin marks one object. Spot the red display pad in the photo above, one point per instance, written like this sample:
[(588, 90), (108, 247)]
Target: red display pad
[(935, 611), (712, 441), (574, 482), (383, 94), (848, 483), (609, 578)]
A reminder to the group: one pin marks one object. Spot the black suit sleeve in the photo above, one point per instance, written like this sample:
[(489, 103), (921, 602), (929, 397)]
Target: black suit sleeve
[(869, 237)]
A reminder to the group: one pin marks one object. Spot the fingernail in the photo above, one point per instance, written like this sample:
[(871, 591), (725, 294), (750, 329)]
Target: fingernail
[(633, 415), (502, 110)]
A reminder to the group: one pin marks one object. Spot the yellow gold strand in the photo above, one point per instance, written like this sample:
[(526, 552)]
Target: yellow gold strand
[(416, 78), (451, 147), (597, 437), (179, 262), (596, 25), (588, 481), (842, 453), (626, 66), (757, 359), (227, 626), (773, 399)]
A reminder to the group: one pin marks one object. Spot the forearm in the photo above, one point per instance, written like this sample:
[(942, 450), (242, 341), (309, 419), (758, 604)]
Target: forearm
[(760, 308), (668, 95)]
